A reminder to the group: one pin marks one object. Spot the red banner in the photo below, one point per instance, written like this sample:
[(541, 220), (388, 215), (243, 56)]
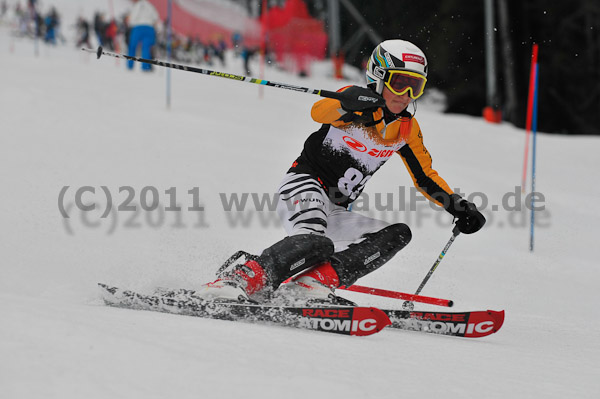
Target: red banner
[(291, 33)]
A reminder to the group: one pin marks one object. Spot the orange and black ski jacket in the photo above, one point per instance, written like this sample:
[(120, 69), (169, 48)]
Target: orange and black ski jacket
[(344, 155)]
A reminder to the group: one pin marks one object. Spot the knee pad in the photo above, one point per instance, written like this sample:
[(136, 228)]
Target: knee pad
[(371, 253), (399, 234), (294, 254)]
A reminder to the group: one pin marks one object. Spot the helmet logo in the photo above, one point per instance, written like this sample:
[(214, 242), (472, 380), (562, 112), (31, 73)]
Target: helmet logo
[(379, 72), (413, 58), (388, 58)]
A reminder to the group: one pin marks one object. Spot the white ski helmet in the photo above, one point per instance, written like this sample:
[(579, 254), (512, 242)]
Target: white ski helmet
[(394, 54)]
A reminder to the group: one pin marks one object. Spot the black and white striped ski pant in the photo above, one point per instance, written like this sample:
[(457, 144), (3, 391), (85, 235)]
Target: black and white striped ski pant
[(304, 208)]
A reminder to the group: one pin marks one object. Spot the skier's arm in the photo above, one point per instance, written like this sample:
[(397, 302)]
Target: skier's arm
[(358, 104), (327, 111), (418, 163)]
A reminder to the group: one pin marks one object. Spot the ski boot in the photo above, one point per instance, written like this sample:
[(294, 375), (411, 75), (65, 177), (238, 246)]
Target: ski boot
[(313, 287), (238, 278)]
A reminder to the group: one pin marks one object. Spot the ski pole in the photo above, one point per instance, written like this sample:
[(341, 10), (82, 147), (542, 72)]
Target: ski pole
[(398, 295), (408, 305), (323, 93)]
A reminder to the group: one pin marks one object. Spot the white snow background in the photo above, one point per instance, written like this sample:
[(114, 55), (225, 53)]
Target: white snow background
[(70, 120)]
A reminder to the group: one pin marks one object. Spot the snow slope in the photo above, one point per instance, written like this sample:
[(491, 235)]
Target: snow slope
[(69, 120)]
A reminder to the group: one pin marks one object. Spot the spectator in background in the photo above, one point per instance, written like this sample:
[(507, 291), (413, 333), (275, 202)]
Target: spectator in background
[(247, 54), (32, 6), (22, 19), (83, 33), (35, 18), (236, 42), (51, 22), (126, 29), (38, 23), (142, 19), (218, 53), (221, 47), (99, 27), (110, 35), (208, 53)]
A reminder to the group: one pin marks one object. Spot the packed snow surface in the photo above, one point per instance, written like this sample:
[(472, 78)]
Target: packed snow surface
[(71, 120)]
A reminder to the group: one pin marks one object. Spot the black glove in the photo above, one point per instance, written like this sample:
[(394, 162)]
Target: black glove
[(356, 98), (470, 220)]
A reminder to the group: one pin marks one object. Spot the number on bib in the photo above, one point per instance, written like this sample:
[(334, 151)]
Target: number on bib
[(352, 183)]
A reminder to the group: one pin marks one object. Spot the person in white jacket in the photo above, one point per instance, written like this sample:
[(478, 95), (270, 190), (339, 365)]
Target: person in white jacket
[(142, 19)]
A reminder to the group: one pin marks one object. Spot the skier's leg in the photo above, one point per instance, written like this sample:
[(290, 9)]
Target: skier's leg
[(346, 228), (302, 209), (362, 245), (371, 253), (303, 205), (292, 255), (277, 263)]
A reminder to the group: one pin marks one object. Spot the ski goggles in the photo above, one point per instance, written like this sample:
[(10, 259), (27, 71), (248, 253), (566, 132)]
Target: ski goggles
[(400, 82)]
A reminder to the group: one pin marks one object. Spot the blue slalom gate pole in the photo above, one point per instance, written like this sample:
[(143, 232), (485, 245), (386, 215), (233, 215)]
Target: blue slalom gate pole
[(533, 156), (169, 13)]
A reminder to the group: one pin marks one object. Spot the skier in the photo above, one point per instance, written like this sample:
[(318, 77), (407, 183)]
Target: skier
[(327, 245)]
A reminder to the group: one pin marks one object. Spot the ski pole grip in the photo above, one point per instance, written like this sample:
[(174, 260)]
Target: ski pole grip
[(331, 94), (455, 231)]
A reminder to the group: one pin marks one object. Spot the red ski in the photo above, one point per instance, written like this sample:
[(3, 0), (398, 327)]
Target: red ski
[(461, 324), (346, 320)]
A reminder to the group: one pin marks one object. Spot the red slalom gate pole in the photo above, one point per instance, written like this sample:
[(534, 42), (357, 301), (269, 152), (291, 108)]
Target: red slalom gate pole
[(532, 78), (399, 295), (263, 44)]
